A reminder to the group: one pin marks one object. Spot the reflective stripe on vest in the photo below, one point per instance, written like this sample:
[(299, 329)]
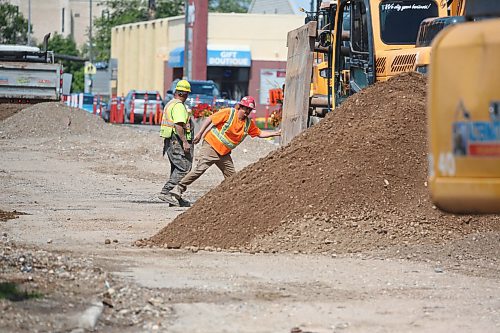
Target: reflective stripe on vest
[(166, 119), (221, 135)]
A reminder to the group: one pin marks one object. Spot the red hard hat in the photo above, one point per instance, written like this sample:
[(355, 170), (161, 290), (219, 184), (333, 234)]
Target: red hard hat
[(248, 101)]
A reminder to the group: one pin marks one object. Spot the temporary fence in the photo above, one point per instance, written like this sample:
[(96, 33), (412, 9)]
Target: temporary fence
[(152, 111)]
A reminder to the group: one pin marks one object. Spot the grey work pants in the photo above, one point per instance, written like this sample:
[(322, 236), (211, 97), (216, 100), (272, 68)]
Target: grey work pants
[(207, 157), (180, 162)]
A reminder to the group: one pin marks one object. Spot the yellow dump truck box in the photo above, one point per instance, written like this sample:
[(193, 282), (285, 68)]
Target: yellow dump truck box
[(464, 118)]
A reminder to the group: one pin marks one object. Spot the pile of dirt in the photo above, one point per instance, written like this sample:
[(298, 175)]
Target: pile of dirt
[(7, 110), (50, 119), (354, 182)]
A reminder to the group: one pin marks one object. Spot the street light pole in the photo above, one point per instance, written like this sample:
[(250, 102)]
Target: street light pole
[(186, 74), (90, 31), (29, 22), (91, 60)]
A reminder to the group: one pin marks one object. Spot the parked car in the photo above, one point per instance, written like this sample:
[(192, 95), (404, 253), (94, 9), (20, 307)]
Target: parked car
[(139, 104), (201, 92), (225, 102)]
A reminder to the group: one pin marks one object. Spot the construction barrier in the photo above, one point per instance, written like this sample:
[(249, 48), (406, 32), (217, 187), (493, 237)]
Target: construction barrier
[(100, 105), (132, 110), (121, 110), (145, 112), (158, 110), (94, 105), (112, 111), (267, 114), (275, 96)]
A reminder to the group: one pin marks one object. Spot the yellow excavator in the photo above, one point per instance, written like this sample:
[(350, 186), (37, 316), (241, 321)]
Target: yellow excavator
[(464, 112), (429, 29), (381, 43), (362, 41)]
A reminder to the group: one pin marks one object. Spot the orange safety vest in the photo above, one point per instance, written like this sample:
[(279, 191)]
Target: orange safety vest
[(221, 136)]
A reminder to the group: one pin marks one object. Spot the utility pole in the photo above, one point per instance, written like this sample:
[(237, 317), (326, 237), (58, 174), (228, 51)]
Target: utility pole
[(90, 44), (29, 22), (90, 31), (188, 37)]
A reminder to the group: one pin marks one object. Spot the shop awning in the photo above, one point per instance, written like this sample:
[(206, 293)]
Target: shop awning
[(176, 57), (217, 55)]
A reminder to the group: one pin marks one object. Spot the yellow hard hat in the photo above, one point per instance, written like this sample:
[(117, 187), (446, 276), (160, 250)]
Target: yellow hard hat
[(183, 85)]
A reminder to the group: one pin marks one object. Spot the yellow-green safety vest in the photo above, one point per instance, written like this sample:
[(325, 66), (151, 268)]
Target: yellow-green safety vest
[(221, 135), (167, 124)]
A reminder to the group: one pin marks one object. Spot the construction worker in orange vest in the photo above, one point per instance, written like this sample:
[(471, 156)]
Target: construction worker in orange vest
[(221, 133), (176, 130)]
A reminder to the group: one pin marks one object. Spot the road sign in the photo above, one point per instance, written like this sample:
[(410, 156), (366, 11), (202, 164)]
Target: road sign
[(90, 69)]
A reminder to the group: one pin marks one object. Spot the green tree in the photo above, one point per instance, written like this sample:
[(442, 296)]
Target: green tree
[(127, 11), (120, 12), (13, 25), (229, 6), (169, 8), (67, 46), (78, 83)]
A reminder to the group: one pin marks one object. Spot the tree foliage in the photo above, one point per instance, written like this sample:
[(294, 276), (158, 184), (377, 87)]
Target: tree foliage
[(229, 6), (13, 25), (120, 12), (67, 46), (127, 11)]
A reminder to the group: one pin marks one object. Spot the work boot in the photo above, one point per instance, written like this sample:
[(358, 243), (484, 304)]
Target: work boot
[(184, 203), (169, 198), (176, 192)]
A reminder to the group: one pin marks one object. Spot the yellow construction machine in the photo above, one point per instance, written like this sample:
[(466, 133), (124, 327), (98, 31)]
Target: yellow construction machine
[(381, 43), (319, 101), (464, 112), (362, 41), (429, 29)]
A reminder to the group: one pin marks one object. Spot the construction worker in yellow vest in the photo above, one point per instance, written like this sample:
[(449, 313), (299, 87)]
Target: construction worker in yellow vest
[(176, 131)]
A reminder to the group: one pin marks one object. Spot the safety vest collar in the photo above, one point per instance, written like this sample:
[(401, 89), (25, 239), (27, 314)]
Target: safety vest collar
[(221, 135)]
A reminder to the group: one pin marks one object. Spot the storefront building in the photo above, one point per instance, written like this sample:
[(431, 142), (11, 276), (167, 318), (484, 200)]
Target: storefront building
[(246, 54)]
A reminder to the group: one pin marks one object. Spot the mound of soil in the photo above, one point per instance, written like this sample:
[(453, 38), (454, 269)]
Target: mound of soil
[(356, 181), (50, 119), (7, 110)]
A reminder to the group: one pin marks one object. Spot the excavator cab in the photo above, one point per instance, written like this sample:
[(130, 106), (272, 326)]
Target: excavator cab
[(381, 40), (429, 29), (319, 102)]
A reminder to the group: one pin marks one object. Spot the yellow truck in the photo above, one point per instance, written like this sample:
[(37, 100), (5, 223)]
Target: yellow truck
[(464, 113)]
